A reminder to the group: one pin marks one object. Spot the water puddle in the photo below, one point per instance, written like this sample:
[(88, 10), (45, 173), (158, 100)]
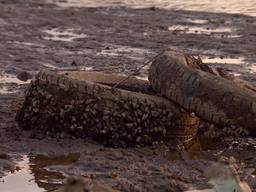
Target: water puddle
[(6, 90), (252, 69), (8, 78), (21, 180), (67, 35), (79, 68), (27, 44), (231, 61), (124, 51), (9, 82), (235, 74), (142, 78), (197, 21), (217, 32), (45, 178), (33, 175)]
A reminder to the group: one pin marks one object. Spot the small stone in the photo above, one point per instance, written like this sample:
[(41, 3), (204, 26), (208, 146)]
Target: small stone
[(4, 156), (24, 76), (152, 8), (114, 174), (74, 63)]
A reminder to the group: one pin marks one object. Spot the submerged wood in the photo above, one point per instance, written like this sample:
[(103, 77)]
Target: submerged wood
[(213, 95)]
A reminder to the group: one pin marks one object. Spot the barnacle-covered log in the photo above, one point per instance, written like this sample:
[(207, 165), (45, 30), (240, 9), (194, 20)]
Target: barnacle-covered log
[(212, 95), (84, 104)]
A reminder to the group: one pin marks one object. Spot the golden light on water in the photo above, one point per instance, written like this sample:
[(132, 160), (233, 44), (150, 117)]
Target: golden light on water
[(247, 7)]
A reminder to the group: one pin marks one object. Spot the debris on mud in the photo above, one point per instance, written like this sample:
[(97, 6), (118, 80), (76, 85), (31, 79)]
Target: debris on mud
[(88, 105), (83, 104), (213, 95)]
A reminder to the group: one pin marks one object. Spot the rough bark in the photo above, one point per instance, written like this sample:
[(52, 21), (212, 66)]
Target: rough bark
[(85, 105), (213, 95)]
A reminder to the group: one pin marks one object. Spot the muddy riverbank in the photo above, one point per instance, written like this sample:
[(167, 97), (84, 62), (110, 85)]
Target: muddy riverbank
[(36, 35)]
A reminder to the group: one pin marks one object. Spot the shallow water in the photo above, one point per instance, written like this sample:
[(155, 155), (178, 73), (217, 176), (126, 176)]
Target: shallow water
[(125, 51), (21, 180), (68, 35), (216, 60), (80, 68), (252, 69), (9, 78), (219, 32), (8, 83), (33, 176), (247, 7)]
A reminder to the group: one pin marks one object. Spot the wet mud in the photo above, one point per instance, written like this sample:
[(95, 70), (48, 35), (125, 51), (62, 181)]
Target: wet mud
[(36, 35)]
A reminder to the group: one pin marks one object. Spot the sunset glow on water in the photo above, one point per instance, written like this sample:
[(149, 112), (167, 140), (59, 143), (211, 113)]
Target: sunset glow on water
[(247, 7)]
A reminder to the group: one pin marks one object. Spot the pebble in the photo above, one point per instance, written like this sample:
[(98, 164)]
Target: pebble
[(24, 76)]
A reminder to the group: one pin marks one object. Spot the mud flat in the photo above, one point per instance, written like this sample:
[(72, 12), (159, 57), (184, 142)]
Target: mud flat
[(116, 40)]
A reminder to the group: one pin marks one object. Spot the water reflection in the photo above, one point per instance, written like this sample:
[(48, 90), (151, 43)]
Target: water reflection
[(9, 78), (76, 68), (33, 175), (68, 35), (20, 181), (44, 178), (125, 51), (216, 60), (252, 69), (9, 82), (216, 32), (247, 7)]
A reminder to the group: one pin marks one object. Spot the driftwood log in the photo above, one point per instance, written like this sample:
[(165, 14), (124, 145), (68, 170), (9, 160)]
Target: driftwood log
[(83, 104), (213, 95)]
